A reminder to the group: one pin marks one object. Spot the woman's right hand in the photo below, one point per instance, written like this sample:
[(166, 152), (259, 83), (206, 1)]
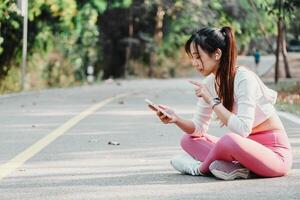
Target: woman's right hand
[(165, 119)]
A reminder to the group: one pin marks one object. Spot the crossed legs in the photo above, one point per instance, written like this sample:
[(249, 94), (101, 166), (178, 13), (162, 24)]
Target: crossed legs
[(232, 147)]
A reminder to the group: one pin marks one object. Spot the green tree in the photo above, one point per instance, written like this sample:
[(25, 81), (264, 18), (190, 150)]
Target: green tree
[(282, 10), (10, 32)]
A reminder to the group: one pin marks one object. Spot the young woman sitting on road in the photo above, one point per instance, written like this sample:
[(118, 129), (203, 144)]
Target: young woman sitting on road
[(257, 142)]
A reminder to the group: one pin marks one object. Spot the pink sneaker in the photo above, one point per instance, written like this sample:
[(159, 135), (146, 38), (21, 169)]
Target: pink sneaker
[(228, 170)]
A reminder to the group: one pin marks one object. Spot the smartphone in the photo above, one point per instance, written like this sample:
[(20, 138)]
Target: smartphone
[(157, 108)]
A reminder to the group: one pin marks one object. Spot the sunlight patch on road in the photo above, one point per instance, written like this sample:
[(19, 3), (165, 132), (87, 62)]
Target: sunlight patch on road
[(16, 162)]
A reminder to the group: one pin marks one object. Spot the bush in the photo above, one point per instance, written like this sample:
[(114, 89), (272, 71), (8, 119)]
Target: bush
[(12, 81)]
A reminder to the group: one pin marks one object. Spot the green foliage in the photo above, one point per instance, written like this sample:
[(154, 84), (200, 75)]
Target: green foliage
[(1, 41), (11, 82), (64, 11), (178, 22), (280, 8), (66, 34), (100, 5), (82, 50), (8, 19), (10, 33), (118, 3), (75, 23)]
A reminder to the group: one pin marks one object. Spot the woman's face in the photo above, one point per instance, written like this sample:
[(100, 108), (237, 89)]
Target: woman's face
[(203, 62)]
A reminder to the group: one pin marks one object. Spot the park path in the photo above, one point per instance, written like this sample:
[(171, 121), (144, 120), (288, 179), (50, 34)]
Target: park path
[(80, 164)]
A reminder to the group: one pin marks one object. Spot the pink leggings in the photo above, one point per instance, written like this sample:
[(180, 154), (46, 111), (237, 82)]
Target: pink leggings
[(267, 153)]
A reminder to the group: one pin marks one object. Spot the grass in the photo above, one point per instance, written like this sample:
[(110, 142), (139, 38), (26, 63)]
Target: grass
[(288, 96), (291, 108)]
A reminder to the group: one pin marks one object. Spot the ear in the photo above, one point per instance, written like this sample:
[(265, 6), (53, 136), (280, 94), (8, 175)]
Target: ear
[(218, 54)]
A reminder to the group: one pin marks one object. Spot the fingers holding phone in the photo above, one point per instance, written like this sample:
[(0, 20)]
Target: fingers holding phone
[(165, 114)]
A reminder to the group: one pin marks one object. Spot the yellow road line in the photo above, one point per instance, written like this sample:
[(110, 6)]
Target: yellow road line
[(16, 162)]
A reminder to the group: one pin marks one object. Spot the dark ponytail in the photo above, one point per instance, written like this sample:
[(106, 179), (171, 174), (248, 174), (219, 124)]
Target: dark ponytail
[(226, 72), (210, 39)]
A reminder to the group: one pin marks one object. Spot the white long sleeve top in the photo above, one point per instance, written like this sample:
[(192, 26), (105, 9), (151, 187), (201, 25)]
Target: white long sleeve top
[(253, 104)]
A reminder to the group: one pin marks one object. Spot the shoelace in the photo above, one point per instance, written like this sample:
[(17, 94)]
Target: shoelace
[(194, 170)]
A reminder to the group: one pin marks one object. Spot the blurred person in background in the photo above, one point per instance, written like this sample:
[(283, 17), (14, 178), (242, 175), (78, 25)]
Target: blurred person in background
[(256, 56)]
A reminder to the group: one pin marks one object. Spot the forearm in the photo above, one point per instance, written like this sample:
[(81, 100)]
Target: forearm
[(186, 125), (222, 113)]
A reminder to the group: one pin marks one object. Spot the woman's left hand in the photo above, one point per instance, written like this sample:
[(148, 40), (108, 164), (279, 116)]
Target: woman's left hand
[(201, 91)]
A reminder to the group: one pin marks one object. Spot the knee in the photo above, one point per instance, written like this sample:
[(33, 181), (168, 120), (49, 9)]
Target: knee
[(231, 138), (185, 141), (229, 141)]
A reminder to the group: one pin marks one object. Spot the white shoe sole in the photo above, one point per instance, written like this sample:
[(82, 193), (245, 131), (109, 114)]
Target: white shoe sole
[(240, 173)]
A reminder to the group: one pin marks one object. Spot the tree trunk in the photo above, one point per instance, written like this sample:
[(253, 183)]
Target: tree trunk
[(278, 50), (158, 35), (129, 44), (284, 51)]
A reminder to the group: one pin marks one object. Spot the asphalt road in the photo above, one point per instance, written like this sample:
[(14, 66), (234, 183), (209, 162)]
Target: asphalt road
[(80, 164)]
